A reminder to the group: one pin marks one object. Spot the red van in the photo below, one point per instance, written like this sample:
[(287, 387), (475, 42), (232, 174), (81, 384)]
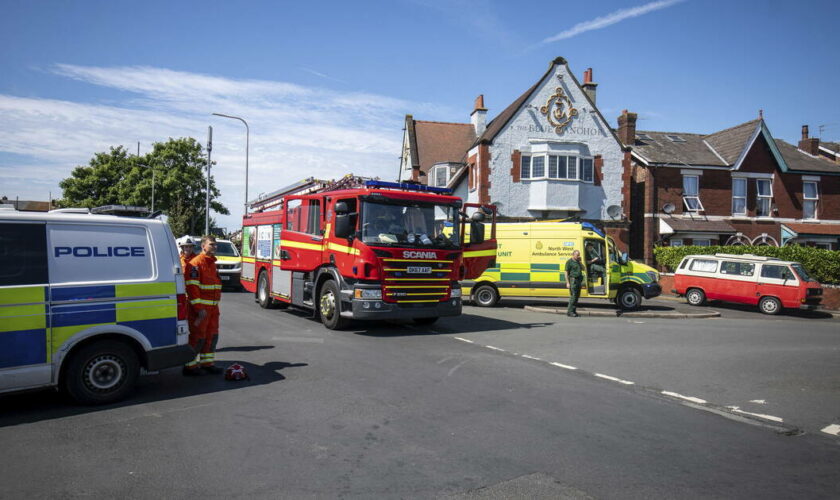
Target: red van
[(770, 283)]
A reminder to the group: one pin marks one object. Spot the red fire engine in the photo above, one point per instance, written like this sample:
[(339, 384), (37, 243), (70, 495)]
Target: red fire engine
[(364, 249)]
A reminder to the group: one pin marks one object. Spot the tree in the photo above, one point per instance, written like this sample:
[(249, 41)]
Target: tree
[(116, 177)]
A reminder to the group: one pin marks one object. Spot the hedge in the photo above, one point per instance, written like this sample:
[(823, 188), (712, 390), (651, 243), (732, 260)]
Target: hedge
[(823, 265)]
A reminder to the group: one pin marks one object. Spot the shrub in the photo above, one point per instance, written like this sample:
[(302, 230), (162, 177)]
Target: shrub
[(823, 265)]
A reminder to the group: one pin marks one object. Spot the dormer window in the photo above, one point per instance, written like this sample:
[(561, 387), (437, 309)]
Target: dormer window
[(440, 177), (644, 137)]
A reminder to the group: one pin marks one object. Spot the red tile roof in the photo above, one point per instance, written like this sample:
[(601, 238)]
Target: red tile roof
[(827, 229), (439, 142)]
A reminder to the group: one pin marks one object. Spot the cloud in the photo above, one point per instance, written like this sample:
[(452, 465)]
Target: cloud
[(296, 131), (610, 19)]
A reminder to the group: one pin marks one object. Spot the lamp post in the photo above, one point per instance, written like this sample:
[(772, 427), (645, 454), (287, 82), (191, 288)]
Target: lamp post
[(247, 145)]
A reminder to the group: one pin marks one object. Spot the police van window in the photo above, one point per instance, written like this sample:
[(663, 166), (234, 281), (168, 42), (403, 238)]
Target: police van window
[(23, 254), (99, 253), (704, 265)]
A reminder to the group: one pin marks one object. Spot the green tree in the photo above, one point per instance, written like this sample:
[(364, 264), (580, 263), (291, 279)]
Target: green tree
[(118, 178)]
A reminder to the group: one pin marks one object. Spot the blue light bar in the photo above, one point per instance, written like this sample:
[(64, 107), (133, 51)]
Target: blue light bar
[(589, 226), (408, 186)]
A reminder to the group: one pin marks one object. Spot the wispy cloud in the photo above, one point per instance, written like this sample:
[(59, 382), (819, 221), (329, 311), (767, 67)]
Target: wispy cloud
[(296, 131), (610, 19)]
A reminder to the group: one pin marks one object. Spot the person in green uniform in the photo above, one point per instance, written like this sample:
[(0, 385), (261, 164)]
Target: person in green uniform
[(593, 260), (574, 278)]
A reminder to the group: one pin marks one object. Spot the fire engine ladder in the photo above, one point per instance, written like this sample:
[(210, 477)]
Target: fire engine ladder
[(309, 185)]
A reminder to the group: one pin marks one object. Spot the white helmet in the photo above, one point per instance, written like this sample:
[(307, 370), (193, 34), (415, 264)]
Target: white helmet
[(185, 240)]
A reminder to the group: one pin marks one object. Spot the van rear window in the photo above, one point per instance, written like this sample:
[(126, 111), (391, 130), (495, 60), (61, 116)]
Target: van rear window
[(704, 265), (23, 254)]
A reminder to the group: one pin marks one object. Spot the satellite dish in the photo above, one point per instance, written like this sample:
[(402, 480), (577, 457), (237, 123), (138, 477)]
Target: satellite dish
[(668, 208), (614, 211)]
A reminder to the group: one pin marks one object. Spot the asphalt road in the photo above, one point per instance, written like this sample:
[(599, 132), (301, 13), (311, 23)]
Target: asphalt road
[(398, 411)]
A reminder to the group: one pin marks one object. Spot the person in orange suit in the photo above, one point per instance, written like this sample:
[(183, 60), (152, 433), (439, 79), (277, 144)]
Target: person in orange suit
[(187, 246), (204, 290)]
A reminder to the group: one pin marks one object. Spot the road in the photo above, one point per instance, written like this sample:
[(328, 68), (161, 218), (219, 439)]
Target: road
[(470, 408)]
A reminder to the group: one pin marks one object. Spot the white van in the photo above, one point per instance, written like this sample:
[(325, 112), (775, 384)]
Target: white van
[(86, 301)]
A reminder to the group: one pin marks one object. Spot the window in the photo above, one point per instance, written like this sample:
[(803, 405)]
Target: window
[(23, 254), (304, 216), (643, 137), (538, 167), (525, 172), (764, 197), (702, 242), (572, 166), (675, 138), (704, 265), (739, 196), (441, 176), (676, 242), (824, 246), (691, 193), (737, 268), (811, 196), (776, 272), (586, 169), (554, 167)]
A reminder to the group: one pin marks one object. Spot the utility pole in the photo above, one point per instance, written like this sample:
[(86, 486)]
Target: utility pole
[(209, 164)]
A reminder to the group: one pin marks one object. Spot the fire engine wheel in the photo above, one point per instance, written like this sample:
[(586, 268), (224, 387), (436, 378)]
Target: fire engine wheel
[(629, 299), (695, 297), (770, 305), (485, 296), (101, 373), (263, 296), (329, 307)]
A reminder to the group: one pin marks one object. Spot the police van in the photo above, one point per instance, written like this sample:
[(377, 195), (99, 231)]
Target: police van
[(88, 300), (531, 259)]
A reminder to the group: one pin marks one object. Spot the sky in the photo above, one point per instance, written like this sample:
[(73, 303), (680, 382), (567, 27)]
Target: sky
[(325, 86)]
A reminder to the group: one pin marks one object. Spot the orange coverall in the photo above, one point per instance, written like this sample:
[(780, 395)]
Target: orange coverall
[(204, 290)]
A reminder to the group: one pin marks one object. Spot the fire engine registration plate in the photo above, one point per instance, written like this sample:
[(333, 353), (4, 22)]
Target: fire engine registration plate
[(224, 278), (419, 270)]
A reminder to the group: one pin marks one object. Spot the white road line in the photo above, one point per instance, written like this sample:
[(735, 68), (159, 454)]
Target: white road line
[(614, 379), (468, 341), (737, 409), (567, 367), (687, 398), (832, 429), (495, 348), (758, 401), (531, 357)]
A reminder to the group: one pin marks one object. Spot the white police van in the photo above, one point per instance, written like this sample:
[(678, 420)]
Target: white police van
[(86, 301)]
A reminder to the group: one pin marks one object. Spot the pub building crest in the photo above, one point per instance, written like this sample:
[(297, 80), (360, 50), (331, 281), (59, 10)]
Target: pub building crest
[(558, 110)]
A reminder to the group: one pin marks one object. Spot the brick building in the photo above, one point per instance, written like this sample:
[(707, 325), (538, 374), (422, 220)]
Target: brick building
[(734, 186), (548, 155)]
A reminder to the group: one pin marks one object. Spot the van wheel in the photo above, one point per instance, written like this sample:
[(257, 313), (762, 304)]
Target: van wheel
[(329, 307), (263, 292), (629, 299), (770, 305), (101, 373), (485, 296), (695, 297)]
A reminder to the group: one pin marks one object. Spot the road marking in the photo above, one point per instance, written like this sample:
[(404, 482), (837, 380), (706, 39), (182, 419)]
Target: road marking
[(687, 398), (758, 401), (561, 365), (614, 379), (464, 340), (495, 348), (451, 371), (832, 429), (737, 409), (531, 357)]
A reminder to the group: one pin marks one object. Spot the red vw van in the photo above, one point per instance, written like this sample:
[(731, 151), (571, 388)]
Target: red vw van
[(770, 283)]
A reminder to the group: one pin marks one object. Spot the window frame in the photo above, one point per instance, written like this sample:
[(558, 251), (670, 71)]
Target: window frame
[(737, 197), (558, 167), (676, 242), (525, 172), (435, 175), (815, 200), (759, 198), (704, 261), (707, 242), (695, 197)]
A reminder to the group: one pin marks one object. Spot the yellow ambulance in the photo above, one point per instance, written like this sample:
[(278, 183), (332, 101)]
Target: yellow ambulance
[(531, 259)]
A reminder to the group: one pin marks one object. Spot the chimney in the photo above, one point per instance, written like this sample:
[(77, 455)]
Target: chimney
[(478, 118), (588, 85), (627, 128), (809, 145)]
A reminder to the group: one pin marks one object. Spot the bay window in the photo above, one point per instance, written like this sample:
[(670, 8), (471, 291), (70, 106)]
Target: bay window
[(556, 167)]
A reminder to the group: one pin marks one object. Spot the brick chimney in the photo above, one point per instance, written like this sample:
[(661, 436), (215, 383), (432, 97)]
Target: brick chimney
[(809, 145), (478, 118), (627, 128), (588, 85)]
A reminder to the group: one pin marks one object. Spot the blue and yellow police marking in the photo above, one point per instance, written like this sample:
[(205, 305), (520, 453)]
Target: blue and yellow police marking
[(23, 326)]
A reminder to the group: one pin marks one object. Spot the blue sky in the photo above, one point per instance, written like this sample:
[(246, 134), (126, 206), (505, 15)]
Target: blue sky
[(325, 86)]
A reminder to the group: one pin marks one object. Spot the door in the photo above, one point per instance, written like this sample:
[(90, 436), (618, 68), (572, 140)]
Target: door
[(740, 282), (25, 336), (302, 236), (778, 280), (479, 253), (594, 257)]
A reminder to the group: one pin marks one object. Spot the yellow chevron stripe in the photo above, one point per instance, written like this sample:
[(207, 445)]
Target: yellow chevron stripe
[(480, 253)]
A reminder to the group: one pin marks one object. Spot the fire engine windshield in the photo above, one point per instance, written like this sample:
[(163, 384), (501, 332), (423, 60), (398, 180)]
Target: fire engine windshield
[(409, 224)]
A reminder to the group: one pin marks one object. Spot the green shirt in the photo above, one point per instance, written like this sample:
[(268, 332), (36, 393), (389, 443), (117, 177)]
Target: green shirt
[(574, 269)]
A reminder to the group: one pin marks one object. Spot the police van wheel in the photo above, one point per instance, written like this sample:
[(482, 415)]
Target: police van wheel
[(329, 307), (101, 373), (629, 299), (485, 296), (263, 292)]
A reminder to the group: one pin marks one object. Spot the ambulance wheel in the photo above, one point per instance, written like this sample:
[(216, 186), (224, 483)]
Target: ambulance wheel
[(769, 305), (695, 297), (101, 373), (424, 321), (329, 306), (629, 299), (263, 295), (485, 296)]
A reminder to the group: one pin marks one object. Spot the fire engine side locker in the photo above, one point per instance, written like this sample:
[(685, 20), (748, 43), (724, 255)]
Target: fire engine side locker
[(281, 280)]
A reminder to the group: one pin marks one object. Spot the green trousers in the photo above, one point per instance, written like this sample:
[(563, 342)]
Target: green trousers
[(574, 295)]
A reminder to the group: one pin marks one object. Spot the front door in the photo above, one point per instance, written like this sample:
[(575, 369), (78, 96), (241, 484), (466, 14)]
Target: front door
[(595, 260)]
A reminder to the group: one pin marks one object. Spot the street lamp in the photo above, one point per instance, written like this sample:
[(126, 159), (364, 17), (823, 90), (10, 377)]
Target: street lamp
[(247, 141)]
